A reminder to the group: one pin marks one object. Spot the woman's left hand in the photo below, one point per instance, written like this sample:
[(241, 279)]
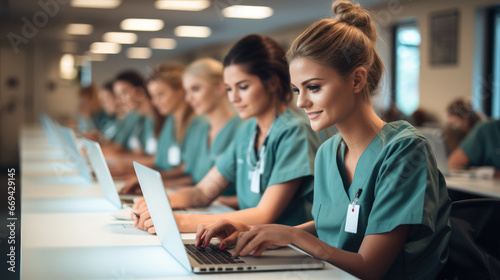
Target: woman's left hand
[(262, 237)]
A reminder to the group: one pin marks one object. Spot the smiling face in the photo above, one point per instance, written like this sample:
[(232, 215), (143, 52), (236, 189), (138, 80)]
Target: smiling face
[(247, 92), (326, 96), (165, 99), (202, 96)]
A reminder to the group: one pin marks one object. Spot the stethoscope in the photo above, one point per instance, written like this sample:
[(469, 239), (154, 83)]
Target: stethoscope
[(258, 167)]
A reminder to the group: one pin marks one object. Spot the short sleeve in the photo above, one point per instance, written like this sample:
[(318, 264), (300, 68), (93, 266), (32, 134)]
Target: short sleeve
[(406, 190), (226, 163), (294, 155), (473, 145)]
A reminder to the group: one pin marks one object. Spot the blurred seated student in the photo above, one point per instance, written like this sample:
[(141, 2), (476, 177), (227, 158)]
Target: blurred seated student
[(481, 147), (88, 109), (460, 119), (381, 207), (106, 118), (180, 130), (206, 94), (271, 158), (134, 125), (422, 118)]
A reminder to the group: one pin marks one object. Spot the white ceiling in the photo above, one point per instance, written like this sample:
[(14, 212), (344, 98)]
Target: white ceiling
[(286, 13)]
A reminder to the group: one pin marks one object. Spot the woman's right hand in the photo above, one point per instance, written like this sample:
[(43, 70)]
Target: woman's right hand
[(226, 231)]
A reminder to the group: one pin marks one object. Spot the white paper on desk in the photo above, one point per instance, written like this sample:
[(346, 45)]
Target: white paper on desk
[(124, 214), (485, 172)]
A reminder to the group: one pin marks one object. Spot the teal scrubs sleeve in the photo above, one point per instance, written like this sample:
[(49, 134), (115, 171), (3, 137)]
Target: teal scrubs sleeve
[(482, 145)]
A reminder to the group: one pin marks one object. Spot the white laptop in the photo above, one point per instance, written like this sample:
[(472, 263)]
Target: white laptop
[(210, 259), (101, 170), (70, 146), (49, 129)]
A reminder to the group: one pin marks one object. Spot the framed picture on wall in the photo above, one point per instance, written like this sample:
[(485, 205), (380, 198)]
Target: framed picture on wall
[(444, 37)]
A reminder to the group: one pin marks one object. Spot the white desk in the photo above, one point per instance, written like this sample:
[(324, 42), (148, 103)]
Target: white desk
[(476, 186), (68, 233)]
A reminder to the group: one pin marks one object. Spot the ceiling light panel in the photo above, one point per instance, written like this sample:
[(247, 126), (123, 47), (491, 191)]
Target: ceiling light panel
[(120, 37), (249, 12), (96, 4), (192, 31), (105, 48), (139, 53), (163, 43), (186, 5), (79, 29), (142, 24)]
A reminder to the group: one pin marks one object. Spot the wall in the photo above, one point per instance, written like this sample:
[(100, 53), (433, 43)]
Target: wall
[(12, 88), (439, 85)]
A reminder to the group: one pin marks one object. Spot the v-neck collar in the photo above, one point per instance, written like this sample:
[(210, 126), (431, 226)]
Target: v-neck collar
[(364, 166)]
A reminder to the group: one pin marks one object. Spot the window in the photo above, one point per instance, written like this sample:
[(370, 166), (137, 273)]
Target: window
[(406, 67)]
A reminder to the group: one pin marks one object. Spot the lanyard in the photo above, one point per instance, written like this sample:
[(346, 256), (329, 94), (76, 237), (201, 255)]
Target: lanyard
[(259, 164)]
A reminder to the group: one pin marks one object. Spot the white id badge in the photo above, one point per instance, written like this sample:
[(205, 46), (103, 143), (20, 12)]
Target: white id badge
[(255, 183), (134, 143), (351, 221), (151, 146), (174, 155)]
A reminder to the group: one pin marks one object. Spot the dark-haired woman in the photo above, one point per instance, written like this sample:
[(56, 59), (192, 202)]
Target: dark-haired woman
[(271, 158), (137, 113), (381, 208)]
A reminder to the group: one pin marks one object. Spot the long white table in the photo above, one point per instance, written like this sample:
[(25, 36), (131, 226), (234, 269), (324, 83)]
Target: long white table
[(67, 231), (476, 186)]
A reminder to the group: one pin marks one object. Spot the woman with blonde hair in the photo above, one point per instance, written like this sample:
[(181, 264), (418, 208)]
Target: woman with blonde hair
[(381, 207)]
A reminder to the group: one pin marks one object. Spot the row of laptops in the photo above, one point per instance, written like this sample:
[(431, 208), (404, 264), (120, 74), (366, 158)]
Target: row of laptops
[(196, 259)]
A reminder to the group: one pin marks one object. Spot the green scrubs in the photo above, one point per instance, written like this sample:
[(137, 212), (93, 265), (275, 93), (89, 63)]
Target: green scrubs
[(289, 154), (125, 129), (482, 145), (206, 155), (147, 136), (401, 185), (104, 120), (169, 149)]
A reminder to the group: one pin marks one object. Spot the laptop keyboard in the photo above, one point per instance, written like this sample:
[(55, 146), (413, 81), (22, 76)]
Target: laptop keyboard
[(211, 255)]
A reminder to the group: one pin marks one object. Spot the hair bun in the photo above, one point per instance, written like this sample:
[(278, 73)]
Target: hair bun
[(354, 15)]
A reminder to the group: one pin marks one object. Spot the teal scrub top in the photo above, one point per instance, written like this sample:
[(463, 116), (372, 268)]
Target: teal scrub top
[(289, 154), (401, 185), (147, 136), (103, 120), (167, 141), (482, 145), (206, 155), (125, 129)]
